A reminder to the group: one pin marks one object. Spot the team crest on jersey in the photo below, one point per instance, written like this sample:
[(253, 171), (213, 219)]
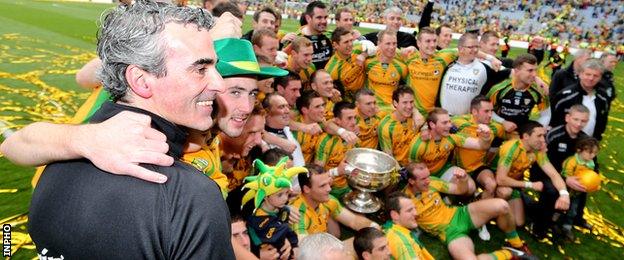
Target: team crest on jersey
[(323, 43), (393, 74), (475, 71), (436, 72), (527, 101), (517, 102)]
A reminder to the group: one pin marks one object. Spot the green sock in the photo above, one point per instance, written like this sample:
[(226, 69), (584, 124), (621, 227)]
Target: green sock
[(514, 239)]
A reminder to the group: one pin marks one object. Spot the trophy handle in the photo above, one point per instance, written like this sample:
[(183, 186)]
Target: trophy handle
[(349, 169)]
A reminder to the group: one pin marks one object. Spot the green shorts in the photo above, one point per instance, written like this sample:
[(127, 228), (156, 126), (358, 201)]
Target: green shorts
[(515, 194), (460, 225)]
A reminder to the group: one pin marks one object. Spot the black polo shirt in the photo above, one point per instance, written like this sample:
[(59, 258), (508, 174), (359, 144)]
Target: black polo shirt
[(81, 212), (560, 146)]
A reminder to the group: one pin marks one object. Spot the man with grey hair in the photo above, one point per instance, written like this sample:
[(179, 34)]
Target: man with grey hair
[(322, 246), (157, 61), (570, 75), (585, 91), (393, 19)]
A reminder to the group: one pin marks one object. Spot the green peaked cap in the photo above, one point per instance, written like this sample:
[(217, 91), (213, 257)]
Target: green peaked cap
[(237, 58)]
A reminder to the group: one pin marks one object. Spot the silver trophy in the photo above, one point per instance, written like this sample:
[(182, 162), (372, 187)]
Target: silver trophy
[(367, 171)]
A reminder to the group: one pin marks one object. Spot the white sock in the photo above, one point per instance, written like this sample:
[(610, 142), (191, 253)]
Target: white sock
[(484, 234)]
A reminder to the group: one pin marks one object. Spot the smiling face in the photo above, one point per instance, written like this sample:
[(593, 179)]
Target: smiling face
[(291, 92), (589, 78), (525, 74), (468, 51), (315, 112), (323, 84), (445, 37), (279, 112), (576, 121), (318, 21), (536, 139), (490, 46), (303, 57), (367, 105), (235, 104), (419, 179), (345, 46), (266, 20), (345, 21), (483, 115), (406, 217), (442, 126), (393, 21), (347, 120), (427, 43), (405, 106), (387, 45), (185, 95), (252, 133)]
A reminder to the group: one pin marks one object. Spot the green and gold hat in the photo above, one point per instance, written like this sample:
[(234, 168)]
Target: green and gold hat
[(237, 58), (270, 180)]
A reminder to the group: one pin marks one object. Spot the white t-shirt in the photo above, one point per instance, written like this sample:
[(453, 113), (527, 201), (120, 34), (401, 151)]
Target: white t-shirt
[(589, 102), (460, 84)]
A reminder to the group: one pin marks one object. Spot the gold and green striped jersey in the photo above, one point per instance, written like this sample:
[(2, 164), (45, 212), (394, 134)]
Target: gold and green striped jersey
[(433, 214), (395, 137), (331, 150), (513, 155), (307, 142), (368, 130), (471, 159), (92, 104), (346, 71), (383, 78), (574, 165), (435, 153), (311, 220), (329, 109), (425, 76), (404, 244), (208, 161)]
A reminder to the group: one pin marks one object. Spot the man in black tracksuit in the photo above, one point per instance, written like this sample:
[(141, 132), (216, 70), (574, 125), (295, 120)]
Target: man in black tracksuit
[(561, 143), (587, 92), (565, 132)]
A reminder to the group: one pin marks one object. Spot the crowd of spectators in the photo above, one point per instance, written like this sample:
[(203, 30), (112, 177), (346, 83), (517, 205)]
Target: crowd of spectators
[(598, 24)]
